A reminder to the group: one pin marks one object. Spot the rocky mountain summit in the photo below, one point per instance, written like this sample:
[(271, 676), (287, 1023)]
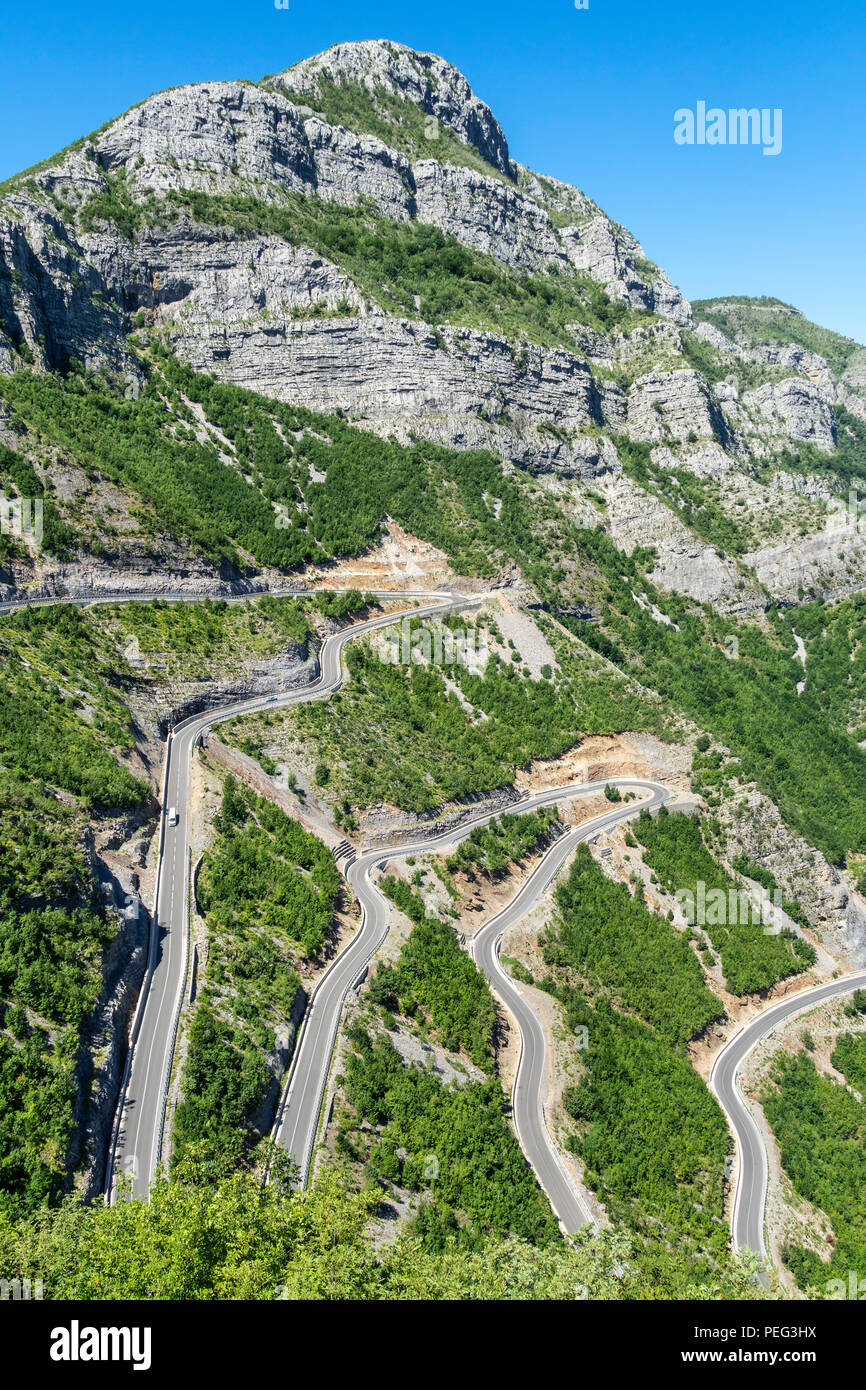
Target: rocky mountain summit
[(352, 235)]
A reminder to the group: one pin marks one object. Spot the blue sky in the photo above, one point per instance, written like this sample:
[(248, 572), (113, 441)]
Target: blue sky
[(588, 95)]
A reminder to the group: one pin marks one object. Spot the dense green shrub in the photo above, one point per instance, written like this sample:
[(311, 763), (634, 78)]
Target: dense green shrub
[(267, 872), (612, 939), (752, 959), (820, 1127), (480, 1171), (267, 890), (492, 848), (435, 976), (238, 1239), (653, 1139)]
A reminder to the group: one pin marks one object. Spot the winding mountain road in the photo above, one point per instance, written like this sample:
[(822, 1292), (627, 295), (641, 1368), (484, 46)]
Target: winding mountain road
[(529, 1083), (300, 1110), (137, 1137), (747, 1215)]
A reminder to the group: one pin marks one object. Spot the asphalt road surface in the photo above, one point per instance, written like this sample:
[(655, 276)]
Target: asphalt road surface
[(137, 1139), (300, 1110), (747, 1216), (530, 1082), (191, 596)]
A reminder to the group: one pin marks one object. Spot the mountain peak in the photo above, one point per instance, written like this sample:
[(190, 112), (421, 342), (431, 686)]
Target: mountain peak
[(387, 76)]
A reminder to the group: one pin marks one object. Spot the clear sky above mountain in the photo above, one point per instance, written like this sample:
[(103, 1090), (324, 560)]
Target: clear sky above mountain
[(588, 95)]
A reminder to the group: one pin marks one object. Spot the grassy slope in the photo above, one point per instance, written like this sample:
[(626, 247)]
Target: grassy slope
[(770, 321)]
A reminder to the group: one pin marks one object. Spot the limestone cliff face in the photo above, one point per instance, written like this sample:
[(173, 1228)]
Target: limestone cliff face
[(228, 138), (677, 404), (610, 255), (754, 827), (54, 299), (96, 240), (458, 386), (489, 216), (797, 409), (423, 79)]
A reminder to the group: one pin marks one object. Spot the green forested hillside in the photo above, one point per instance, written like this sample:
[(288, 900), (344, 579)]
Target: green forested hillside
[(194, 638), (434, 977), (849, 1055), (267, 891), (63, 724), (263, 504), (752, 959), (489, 849), (267, 872), (820, 1127), (835, 639), (18, 479), (401, 735), (479, 1172), (236, 1239), (62, 718), (810, 767), (652, 1138), (610, 938)]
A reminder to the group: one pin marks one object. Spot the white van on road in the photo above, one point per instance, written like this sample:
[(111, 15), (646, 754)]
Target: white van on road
[(172, 815)]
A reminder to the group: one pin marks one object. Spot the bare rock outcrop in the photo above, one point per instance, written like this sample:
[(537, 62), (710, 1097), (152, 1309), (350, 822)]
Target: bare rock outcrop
[(611, 255), (109, 235), (795, 408), (455, 385), (754, 827), (676, 405), (421, 78)]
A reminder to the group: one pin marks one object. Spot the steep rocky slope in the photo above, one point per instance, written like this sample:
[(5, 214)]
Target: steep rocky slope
[(353, 235), (325, 325)]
